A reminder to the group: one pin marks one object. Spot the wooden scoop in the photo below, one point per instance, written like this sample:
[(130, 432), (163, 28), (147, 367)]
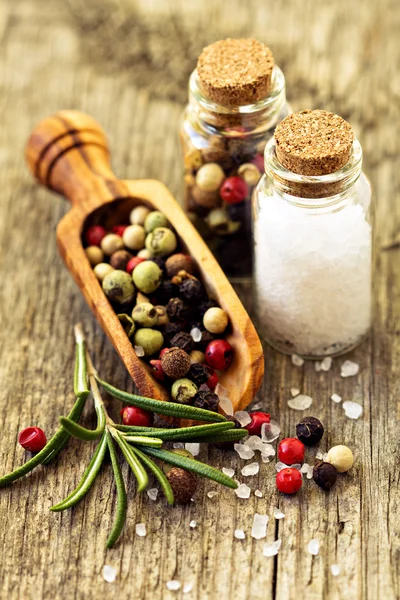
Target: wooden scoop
[(68, 153)]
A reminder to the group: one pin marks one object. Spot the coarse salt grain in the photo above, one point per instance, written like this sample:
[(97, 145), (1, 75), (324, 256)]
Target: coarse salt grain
[(294, 392), (280, 465), (272, 549), (313, 547), (193, 448), (267, 452), (349, 368), (152, 493), (353, 410), (301, 402), (244, 451), (227, 471), (297, 360), (139, 351), (257, 406), (335, 570), (193, 524), (178, 445), (254, 442), (321, 455), (243, 417), (239, 534), (251, 469), (278, 514), (336, 398), (187, 587), (141, 529), (326, 363), (109, 573), (258, 493), (212, 494), (196, 334), (317, 366), (270, 431), (173, 585), (243, 491), (259, 528), (226, 405)]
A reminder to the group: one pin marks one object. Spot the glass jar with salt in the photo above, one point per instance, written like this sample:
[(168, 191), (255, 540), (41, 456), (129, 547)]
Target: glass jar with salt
[(313, 238)]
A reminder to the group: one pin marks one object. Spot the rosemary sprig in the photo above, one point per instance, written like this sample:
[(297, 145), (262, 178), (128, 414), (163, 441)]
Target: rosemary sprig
[(122, 501), (178, 434)]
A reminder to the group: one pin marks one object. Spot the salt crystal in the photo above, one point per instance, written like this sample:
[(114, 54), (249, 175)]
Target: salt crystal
[(196, 334), (259, 528), (212, 494), (109, 573), (349, 368), (313, 547), (244, 451), (187, 587), (243, 417), (267, 452), (301, 402), (296, 466), (258, 493), (139, 351), (335, 570), (353, 410), (254, 442), (294, 392), (272, 549), (297, 360), (229, 472), (178, 445), (278, 514), (193, 448), (251, 469), (141, 529), (193, 524), (336, 398), (270, 432), (243, 491), (152, 493), (326, 363), (304, 468), (220, 390), (226, 405), (319, 456), (317, 366), (173, 585), (239, 534), (280, 465), (307, 470), (257, 406)]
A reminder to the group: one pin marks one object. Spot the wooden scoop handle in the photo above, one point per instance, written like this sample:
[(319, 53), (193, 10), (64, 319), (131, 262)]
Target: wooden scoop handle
[(68, 152)]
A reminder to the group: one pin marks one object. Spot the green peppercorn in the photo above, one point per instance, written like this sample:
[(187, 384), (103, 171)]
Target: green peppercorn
[(145, 314), (150, 340), (161, 241), (183, 390), (118, 287), (147, 276), (155, 219), (127, 323)]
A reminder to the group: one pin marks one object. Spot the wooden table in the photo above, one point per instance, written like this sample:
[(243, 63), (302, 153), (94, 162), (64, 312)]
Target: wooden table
[(127, 63)]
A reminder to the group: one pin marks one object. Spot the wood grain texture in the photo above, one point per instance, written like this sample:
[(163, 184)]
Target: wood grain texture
[(127, 64)]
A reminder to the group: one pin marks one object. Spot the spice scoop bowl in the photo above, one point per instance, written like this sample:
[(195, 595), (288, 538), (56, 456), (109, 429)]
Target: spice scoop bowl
[(68, 153)]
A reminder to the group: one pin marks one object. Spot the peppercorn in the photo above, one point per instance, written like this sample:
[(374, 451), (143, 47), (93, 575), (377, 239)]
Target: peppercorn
[(95, 255), (206, 399), (133, 237), (132, 415), (169, 330), (144, 253), (179, 262), (162, 317), (166, 291), (233, 190), (133, 263), (177, 310), (204, 199), (192, 290), (218, 220), (161, 241), (183, 483), (147, 276), (159, 261), (193, 159), (290, 451), (155, 219), (219, 355), (341, 457), (127, 323), (183, 390), (94, 235), (238, 212), (324, 475), (118, 287), (157, 371), (289, 480), (198, 373), (215, 320), (119, 229), (120, 259), (197, 357), (150, 340), (183, 340), (250, 173), (204, 305), (166, 467), (145, 314), (309, 431), (210, 177), (102, 269), (175, 363), (32, 439), (206, 338), (138, 215), (111, 243)]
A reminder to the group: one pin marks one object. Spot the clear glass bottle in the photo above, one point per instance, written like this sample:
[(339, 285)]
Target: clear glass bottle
[(234, 139), (312, 254)]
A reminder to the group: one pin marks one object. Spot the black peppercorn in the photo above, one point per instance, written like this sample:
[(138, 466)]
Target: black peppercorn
[(206, 338), (177, 310), (309, 431), (237, 212), (159, 261), (183, 340), (198, 373), (165, 291), (324, 475), (206, 399), (192, 290), (170, 329), (203, 307)]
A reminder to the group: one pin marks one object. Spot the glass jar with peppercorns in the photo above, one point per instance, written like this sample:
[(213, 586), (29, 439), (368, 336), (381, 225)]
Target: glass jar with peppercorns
[(236, 98)]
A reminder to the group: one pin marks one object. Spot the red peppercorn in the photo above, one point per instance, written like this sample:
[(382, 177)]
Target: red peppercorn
[(133, 263), (119, 229), (291, 451), (257, 421), (219, 354), (157, 371), (234, 190), (94, 235), (164, 351), (132, 415), (32, 438), (289, 480), (258, 160), (212, 381)]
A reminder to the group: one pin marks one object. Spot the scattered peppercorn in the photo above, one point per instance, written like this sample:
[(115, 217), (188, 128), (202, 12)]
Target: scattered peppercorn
[(219, 354), (132, 415), (183, 390), (94, 235), (324, 475), (206, 399), (291, 451), (310, 431), (341, 457), (118, 287), (179, 262), (289, 481), (32, 439), (183, 340), (257, 421), (166, 467), (183, 484), (175, 363), (157, 371), (215, 320)]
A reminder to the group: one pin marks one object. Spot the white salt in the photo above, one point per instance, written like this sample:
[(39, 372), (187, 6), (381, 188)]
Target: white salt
[(278, 514), (267, 452), (321, 455), (139, 351), (294, 392), (279, 466), (226, 405), (353, 410), (297, 360), (296, 466), (251, 469), (109, 573), (326, 363), (187, 587), (239, 534), (336, 398), (313, 547), (349, 368), (193, 524), (152, 493), (244, 451), (196, 334), (220, 390), (254, 442), (307, 470), (259, 528), (257, 406), (178, 445), (258, 493), (270, 432), (243, 491), (272, 549), (335, 570), (229, 472), (243, 417), (193, 448), (141, 529), (301, 402), (173, 585), (317, 366), (212, 494)]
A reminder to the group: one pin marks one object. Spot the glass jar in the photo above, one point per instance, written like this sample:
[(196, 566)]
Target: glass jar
[(312, 253), (233, 141)]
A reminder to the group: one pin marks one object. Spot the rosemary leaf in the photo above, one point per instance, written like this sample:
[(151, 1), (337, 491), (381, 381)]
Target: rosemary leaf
[(122, 503), (191, 465), (165, 485), (176, 435), (63, 436), (144, 441), (87, 480), (81, 432), (232, 435), (133, 462), (171, 409)]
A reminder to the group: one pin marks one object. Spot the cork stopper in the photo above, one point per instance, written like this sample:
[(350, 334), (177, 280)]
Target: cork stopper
[(236, 72), (313, 142)]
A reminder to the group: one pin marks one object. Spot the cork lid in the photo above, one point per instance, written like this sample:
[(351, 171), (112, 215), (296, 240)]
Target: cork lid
[(236, 72), (313, 142)]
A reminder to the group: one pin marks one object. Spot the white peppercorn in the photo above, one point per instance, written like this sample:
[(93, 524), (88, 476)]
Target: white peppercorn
[(102, 269), (215, 320), (341, 457), (95, 255), (111, 243), (133, 237), (139, 214), (210, 177)]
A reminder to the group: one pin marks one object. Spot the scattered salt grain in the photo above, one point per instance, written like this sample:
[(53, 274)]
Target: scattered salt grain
[(109, 573), (259, 528), (227, 471), (267, 452), (349, 368), (272, 549), (313, 547), (326, 363), (353, 410), (294, 392), (297, 360), (336, 398), (193, 524), (178, 445), (279, 466), (220, 390), (139, 351), (243, 491), (296, 466), (239, 534), (278, 514), (193, 448), (152, 493), (196, 334), (226, 405), (141, 529), (244, 451), (301, 402), (257, 406), (317, 366), (321, 455), (251, 469), (243, 417), (335, 570), (307, 470), (254, 442), (258, 493), (173, 585), (212, 494), (270, 432), (187, 587)]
